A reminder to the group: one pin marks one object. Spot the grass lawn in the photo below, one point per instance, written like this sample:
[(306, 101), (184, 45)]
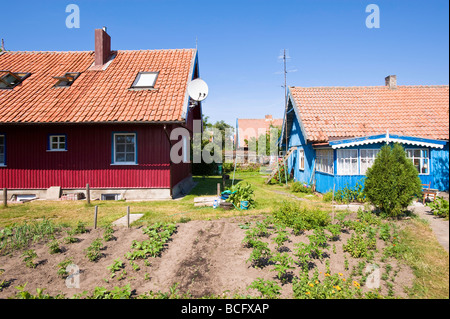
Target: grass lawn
[(69, 213)]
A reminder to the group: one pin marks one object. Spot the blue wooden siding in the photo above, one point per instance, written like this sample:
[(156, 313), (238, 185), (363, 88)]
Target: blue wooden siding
[(438, 175)]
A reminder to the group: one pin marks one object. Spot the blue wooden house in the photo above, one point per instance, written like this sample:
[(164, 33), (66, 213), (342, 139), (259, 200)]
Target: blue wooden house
[(338, 131)]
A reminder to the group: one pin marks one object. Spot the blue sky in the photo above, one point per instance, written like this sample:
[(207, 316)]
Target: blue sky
[(239, 42)]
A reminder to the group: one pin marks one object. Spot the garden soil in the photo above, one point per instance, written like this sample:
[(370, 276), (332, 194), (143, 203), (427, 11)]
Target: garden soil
[(203, 257)]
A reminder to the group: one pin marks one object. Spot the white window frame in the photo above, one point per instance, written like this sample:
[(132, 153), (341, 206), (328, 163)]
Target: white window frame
[(3, 163), (58, 143), (325, 161), (115, 162), (369, 159), (301, 160), (142, 75), (423, 160), (346, 159)]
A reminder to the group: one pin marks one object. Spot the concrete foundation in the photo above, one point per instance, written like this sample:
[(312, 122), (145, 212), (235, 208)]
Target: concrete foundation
[(135, 194)]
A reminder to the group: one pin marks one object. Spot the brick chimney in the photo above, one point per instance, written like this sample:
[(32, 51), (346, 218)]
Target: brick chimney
[(102, 46), (391, 81)]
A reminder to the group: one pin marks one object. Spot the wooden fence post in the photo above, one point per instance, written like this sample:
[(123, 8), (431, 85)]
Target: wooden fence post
[(88, 194), (218, 189), (128, 216), (95, 217), (5, 197)]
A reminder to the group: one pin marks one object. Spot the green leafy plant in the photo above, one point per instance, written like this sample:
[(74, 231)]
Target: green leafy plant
[(283, 263), (80, 229), (115, 267), (281, 237), (108, 233), (439, 207), (242, 191), (260, 254), (268, 288), (62, 266), (29, 256), (54, 247), (93, 251), (300, 218), (25, 294)]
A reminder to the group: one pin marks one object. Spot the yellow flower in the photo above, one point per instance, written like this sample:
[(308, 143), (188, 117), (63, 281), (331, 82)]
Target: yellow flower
[(338, 288), (327, 275), (317, 282), (355, 283), (343, 279), (307, 293), (341, 274), (311, 285), (332, 291)]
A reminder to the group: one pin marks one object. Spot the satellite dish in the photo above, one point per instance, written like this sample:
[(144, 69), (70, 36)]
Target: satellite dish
[(198, 90)]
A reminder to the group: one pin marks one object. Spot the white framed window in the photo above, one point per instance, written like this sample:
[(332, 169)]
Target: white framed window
[(366, 159), (145, 80), (347, 162), (2, 150), (301, 159), (124, 149), (420, 159), (325, 161), (57, 143)]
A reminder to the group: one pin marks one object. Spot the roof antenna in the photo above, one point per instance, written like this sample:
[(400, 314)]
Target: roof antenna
[(3, 45)]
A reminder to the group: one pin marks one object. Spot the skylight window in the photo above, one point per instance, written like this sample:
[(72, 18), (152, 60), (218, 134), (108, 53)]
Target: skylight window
[(9, 80), (67, 79), (145, 80)]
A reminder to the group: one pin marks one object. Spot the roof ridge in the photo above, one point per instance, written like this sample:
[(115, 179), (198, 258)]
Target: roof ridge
[(92, 51), (370, 87)]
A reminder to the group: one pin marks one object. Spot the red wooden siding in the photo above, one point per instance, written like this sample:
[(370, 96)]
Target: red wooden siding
[(87, 160)]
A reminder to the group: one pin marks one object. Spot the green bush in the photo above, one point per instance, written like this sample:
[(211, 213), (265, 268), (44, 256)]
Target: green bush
[(392, 181), (298, 187), (300, 218)]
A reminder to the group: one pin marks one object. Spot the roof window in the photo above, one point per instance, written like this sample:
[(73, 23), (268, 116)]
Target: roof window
[(8, 79), (67, 79), (145, 80)]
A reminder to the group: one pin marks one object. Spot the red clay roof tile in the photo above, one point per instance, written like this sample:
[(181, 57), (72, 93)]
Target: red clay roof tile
[(340, 112), (95, 96)]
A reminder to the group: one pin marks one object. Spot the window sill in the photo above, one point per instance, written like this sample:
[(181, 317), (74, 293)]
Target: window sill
[(2, 165), (124, 164), (51, 151)]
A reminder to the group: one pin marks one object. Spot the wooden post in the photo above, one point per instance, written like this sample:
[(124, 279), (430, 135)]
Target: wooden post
[(5, 197), (218, 189), (128, 216), (88, 194), (332, 205), (95, 217)]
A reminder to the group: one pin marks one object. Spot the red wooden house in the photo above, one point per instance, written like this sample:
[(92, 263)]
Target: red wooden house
[(100, 117)]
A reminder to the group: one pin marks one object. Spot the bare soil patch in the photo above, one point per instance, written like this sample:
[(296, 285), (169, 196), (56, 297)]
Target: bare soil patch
[(203, 257)]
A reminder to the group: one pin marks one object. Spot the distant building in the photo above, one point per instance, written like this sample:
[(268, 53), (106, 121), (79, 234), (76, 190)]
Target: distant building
[(252, 128)]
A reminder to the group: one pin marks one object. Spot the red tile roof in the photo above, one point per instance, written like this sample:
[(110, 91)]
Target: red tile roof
[(96, 95), (329, 113)]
